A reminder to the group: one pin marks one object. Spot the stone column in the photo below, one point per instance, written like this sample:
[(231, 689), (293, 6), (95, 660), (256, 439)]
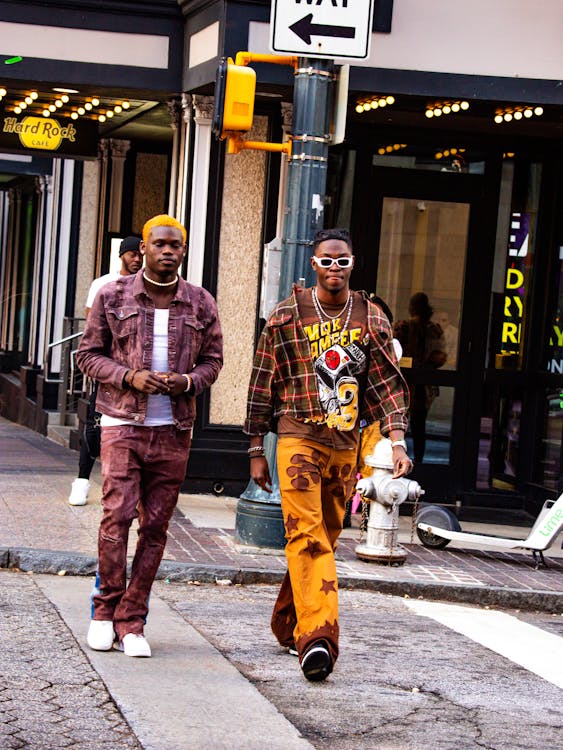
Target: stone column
[(175, 112), (119, 149), (200, 184)]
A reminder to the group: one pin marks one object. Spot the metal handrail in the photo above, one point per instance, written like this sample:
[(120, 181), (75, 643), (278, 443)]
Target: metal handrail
[(66, 338), (67, 379)]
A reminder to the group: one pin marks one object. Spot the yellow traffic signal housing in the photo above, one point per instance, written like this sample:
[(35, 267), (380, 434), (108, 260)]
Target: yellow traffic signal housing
[(234, 98)]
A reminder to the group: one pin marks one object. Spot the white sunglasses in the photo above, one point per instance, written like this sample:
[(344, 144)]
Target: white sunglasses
[(345, 262)]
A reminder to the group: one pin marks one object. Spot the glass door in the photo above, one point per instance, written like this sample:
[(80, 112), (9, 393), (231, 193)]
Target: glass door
[(421, 260), (421, 269)]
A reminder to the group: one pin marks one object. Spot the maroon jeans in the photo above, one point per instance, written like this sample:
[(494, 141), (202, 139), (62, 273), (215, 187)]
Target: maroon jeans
[(142, 470)]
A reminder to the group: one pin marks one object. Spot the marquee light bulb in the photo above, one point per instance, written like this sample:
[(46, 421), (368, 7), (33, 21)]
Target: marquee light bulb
[(437, 112), (81, 110), (46, 113), (455, 107), (125, 105), (390, 99), (74, 116), (117, 108), (498, 119), (518, 115), (3, 92), (17, 110), (528, 113), (88, 106), (359, 108), (28, 100), (95, 101), (464, 105), (51, 108), (538, 111), (102, 118), (59, 103), (507, 116), (429, 113), (65, 98)]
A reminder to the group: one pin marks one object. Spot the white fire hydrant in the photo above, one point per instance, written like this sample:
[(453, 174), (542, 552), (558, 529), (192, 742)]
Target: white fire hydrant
[(386, 494)]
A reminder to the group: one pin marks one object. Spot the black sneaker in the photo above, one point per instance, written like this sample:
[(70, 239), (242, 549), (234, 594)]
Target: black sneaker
[(317, 664)]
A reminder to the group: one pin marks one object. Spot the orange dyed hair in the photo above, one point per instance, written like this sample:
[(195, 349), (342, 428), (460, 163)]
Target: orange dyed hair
[(163, 220)]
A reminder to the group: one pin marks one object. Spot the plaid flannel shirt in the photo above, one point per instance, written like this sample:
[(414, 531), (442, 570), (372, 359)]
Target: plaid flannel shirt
[(283, 380)]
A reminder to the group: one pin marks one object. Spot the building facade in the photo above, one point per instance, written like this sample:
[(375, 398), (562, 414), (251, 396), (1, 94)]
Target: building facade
[(449, 178)]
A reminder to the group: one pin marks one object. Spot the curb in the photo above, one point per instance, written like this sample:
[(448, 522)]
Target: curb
[(77, 564)]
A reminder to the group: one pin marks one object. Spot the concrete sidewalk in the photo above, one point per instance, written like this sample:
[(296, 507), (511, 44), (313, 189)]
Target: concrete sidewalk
[(40, 532)]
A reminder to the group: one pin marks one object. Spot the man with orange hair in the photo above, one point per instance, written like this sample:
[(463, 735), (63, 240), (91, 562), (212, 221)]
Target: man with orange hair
[(153, 342)]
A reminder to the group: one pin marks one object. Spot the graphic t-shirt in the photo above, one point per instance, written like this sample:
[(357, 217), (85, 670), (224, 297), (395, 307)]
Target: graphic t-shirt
[(340, 363)]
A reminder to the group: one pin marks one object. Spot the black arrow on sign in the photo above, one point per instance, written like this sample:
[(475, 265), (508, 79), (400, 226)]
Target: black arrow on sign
[(304, 28)]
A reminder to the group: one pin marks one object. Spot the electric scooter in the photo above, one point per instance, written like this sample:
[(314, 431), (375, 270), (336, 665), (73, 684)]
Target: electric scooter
[(436, 527)]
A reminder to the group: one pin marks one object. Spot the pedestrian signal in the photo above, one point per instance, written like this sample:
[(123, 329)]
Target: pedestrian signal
[(233, 108)]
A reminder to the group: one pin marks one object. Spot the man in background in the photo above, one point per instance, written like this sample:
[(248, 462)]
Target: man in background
[(131, 262)]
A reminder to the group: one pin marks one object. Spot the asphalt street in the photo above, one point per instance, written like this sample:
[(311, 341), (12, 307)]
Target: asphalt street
[(406, 679)]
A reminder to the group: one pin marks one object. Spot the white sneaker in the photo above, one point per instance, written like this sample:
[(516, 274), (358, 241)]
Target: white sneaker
[(79, 492), (100, 635), (135, 645)]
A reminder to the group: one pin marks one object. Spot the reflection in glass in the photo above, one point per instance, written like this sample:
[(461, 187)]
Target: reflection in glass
[(423, 345), (499, 441), (551, 451), (437, 427), (422, 248)]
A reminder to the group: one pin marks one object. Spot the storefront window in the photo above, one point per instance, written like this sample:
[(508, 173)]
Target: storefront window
[(550, 464), (499, 444), (551, 452)]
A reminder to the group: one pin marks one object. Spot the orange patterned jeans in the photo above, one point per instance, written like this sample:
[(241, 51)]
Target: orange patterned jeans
[(315, 482)]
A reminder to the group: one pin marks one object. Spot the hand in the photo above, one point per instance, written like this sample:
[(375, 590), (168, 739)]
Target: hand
[(260, 472), (402, 464), (149, 382), (176, 383)]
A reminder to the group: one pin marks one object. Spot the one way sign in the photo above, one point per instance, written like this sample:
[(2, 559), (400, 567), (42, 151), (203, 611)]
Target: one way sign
[(322, 28)]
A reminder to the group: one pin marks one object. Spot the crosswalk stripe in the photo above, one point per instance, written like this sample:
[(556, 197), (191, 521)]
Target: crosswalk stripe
[(531, 647)]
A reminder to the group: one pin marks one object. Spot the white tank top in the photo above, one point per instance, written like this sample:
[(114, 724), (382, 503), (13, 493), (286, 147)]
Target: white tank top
[(159, 407)]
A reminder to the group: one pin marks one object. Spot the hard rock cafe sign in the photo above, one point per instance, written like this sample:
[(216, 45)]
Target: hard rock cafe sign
[(49, 134)]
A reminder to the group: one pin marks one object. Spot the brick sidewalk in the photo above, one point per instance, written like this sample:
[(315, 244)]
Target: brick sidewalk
[(35, 478)]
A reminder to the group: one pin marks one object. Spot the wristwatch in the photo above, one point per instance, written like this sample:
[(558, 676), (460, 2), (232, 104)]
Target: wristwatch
[(402, 443)]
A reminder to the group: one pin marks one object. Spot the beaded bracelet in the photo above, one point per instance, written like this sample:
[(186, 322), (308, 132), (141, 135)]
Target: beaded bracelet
[(258, 451)]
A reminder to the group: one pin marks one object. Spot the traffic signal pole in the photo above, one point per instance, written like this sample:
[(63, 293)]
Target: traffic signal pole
[(259, 520), (307, 169)]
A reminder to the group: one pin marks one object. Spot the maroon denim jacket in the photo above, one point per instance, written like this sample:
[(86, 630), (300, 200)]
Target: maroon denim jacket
[(119, 336)]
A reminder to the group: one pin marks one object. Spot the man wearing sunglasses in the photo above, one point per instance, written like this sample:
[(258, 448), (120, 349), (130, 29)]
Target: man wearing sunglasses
[(324, 363)]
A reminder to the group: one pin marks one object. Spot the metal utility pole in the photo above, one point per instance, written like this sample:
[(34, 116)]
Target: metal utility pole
[(259, 518), (307, 169)]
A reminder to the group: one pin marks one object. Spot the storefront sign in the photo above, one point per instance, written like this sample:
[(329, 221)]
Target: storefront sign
[(515, 285), (53, 135)]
